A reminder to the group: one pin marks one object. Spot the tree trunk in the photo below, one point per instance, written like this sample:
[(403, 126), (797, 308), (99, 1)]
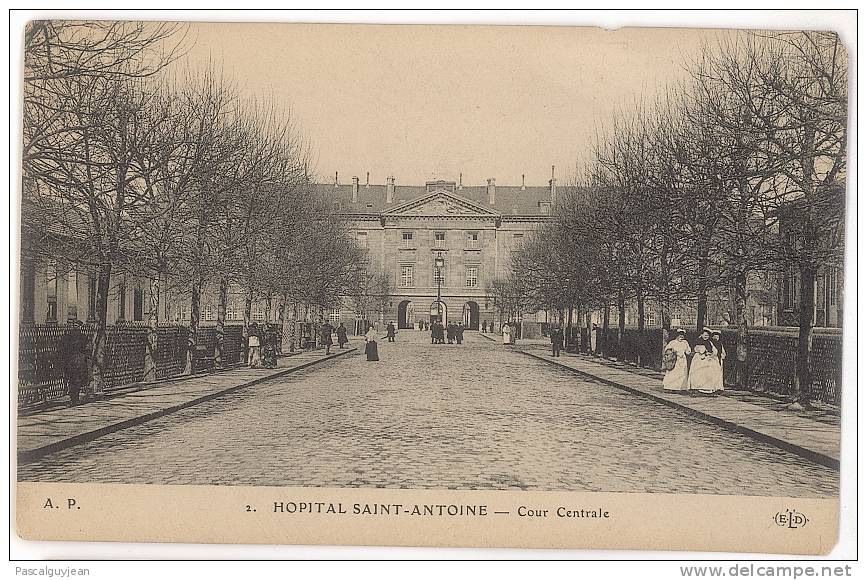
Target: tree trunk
[(639, 297), (97, 358), (602, 341), (220, 330), (741, 379), (150, 367), (193, 343), (621, 325), (665, 315), (281, 321), (804, 364), (701, 293), (248, 310)]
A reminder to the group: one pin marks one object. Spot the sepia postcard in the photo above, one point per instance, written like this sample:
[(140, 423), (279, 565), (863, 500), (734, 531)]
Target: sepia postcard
[(431, 285)]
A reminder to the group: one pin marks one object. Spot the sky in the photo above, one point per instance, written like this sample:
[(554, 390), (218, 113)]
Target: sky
[(430, 102)]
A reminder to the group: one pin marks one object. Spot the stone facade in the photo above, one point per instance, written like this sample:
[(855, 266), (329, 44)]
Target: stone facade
[(473, 229)]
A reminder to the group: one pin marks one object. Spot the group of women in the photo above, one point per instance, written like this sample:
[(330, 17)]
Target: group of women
[(704, 374)]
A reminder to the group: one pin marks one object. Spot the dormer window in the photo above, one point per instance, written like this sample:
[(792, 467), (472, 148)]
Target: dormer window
[(545, 207)]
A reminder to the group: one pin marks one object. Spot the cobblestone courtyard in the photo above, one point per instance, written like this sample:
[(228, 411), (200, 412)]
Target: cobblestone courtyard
[(475, 416)]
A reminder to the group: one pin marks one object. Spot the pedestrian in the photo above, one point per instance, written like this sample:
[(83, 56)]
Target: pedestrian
[(450, 333), (704, 370), (326, 331), (594, 339), (269, 348), (484, 326), (514, 335), (716, 339), (72, 359), (254, 345), (507, 334), (421, 325), (556, 340), (459, 333), (675, 365), (341, 335), (389, 332), (370, 346), (441, 332)]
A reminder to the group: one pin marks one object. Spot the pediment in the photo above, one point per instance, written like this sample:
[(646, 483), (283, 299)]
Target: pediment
[(440, 204)]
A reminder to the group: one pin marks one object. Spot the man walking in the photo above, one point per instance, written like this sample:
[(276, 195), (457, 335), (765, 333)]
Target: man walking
[(389, 331), (556, 341), (327, 329), (72, 358)]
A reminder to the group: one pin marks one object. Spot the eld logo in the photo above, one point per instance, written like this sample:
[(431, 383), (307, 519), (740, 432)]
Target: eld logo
[(790, 519)]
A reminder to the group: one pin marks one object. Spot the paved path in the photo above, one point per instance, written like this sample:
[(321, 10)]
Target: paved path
[(816, 440), (60, 427), (474, 416)]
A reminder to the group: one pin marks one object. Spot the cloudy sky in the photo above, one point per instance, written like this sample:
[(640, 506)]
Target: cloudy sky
[(423, 102)]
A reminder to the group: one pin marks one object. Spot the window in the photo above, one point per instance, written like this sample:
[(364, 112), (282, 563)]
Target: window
[(790, 291), (334, 315), (51, 294), (231, 312), (209, 312), (472, 276), (439, 239), (28, 291), (472, 240), (544, 207), (832, 286), (121, 302), (138, 304), (258, 313), (406, 277), (92, 282), (185, 314), (439, 275), (361, 237), (406, 240)]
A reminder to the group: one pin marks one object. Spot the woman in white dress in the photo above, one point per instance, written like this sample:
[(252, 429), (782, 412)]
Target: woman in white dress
[(704, 371), (674, 360), (716, 338), (507, 333)]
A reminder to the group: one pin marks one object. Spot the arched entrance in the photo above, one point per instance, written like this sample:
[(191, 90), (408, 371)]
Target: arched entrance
[(405, 316), (471, 315), (440, 313)]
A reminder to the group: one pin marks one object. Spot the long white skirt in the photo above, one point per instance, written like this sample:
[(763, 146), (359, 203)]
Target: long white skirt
[(676, 379), (704, 373), (507, 338)]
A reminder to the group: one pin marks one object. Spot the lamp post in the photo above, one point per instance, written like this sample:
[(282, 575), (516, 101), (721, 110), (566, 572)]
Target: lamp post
[(439, 263)]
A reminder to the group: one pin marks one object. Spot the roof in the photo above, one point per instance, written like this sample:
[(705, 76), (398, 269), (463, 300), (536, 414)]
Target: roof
[(509, 199)]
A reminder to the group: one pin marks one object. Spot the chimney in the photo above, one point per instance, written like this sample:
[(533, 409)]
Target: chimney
[(492, 191), (523, 187), (389, 190), (368, 180), (354, 190), (553, 185), (460, 180), (335, 179)]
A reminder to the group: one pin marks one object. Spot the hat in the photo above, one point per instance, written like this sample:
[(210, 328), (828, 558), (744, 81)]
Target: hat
[(717, 332), (680, 331), (707, 330)]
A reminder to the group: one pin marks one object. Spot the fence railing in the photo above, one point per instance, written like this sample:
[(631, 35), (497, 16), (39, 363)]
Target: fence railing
[(40, 377), (770, 365)]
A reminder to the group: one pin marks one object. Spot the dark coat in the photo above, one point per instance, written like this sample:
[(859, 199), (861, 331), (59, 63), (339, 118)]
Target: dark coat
[(341, 335), (327, 329), (389, 330)]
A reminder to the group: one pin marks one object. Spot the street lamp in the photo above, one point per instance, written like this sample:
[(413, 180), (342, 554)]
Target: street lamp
[(439, 263)]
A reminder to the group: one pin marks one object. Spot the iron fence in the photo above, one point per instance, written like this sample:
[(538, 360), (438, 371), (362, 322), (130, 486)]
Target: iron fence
[(40, 377)]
